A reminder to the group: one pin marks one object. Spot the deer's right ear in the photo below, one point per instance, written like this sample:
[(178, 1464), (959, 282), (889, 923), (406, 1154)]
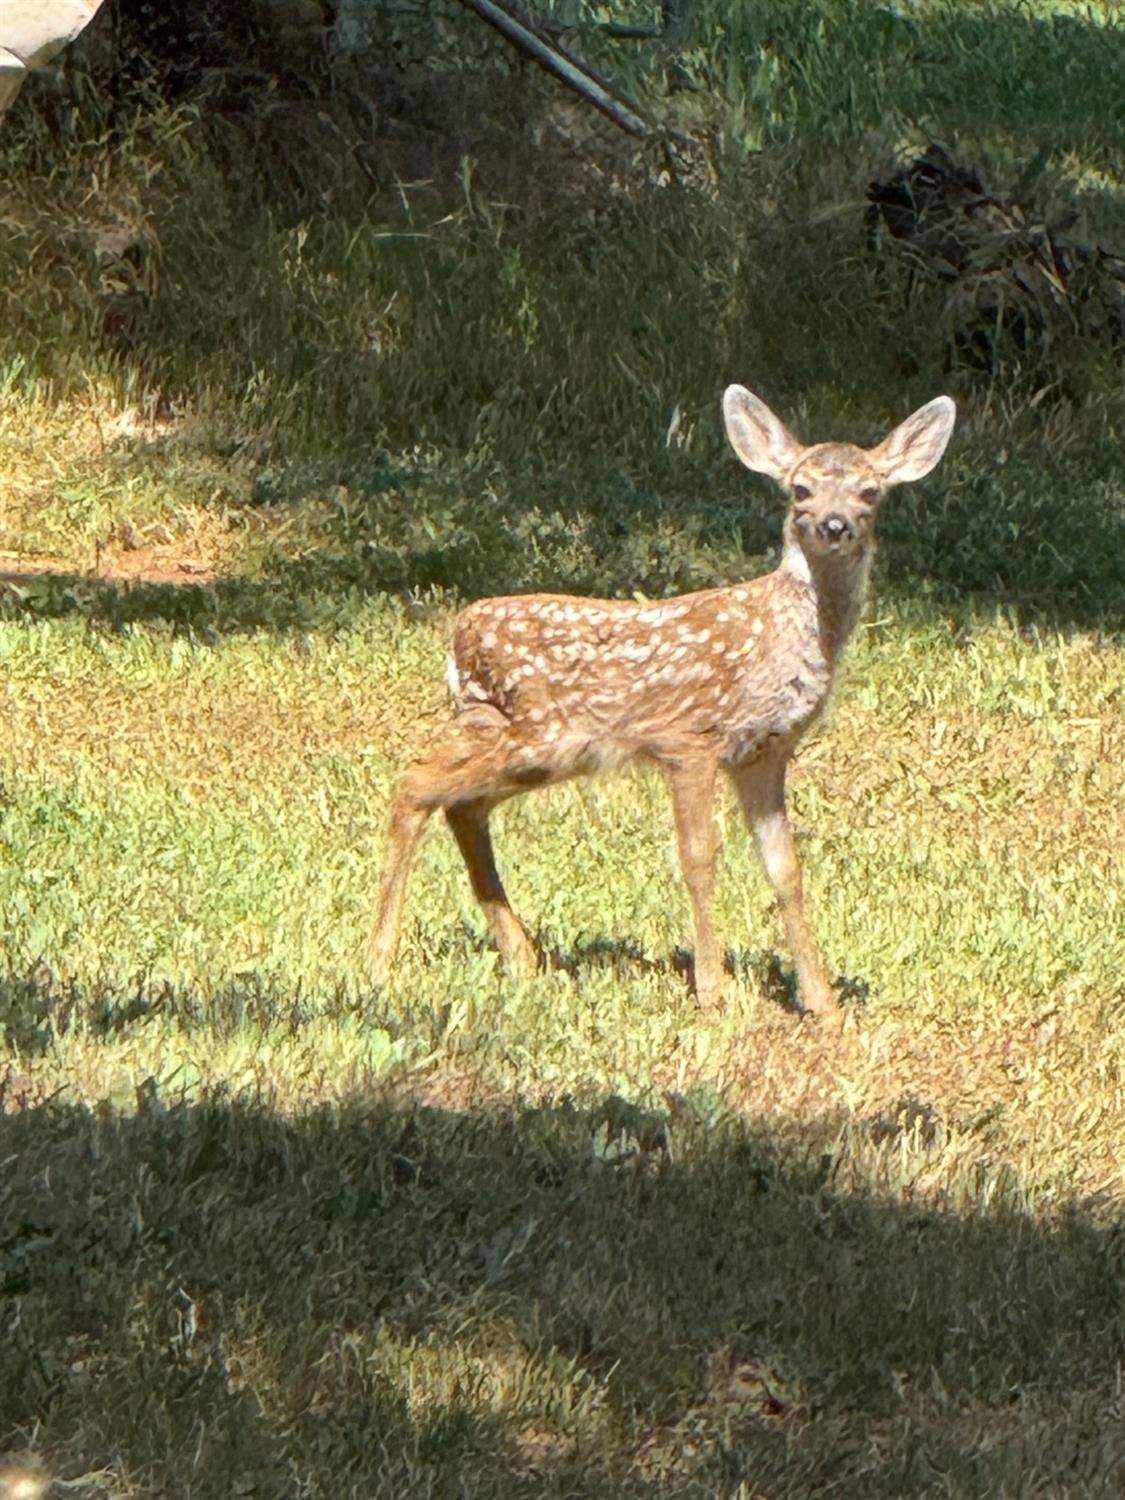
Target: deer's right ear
[(757, 436)]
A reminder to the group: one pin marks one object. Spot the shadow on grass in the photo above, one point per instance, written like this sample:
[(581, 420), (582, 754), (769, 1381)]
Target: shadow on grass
[(1041, 540), (771, 972), (379, 1298), (528, 333)]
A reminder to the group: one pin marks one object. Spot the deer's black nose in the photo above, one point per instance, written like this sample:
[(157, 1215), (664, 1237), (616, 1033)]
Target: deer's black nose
[(835, 527)]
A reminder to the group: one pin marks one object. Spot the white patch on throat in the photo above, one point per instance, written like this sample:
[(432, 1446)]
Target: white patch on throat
[(794, 561)]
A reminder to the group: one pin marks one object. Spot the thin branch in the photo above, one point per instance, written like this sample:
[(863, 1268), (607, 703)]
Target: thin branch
[(575, 73)]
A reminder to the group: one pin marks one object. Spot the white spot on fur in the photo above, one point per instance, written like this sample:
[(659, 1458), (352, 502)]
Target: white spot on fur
[(634, 651)]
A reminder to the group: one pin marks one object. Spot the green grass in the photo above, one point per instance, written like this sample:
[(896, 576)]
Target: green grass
[(450, 1233), (267, 1231)]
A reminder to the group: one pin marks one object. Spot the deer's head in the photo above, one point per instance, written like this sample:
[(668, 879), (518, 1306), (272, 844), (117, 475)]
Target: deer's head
[(835, 488)]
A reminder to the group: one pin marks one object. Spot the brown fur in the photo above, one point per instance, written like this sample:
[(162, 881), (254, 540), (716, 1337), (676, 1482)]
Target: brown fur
[(550, 687)]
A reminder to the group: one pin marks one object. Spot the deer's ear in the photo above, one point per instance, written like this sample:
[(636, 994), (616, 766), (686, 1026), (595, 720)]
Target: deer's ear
[(915, 446), (757, 436)]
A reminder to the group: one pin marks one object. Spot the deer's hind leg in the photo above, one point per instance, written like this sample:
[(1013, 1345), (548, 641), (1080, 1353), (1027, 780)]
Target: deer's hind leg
[(409, 815), (466, 774), (469, 822)]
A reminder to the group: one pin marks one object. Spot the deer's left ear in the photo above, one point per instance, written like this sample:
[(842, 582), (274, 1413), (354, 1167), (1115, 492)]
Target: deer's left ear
[(916, 445)]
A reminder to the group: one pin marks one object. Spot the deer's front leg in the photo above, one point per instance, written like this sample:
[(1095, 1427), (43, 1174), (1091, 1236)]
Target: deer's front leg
[(692, 785), (761, 790)]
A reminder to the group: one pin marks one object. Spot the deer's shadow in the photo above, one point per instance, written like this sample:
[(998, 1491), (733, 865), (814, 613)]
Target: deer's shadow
[(764, 968)]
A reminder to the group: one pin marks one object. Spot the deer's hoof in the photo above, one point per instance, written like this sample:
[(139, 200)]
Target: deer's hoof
[(520, 959), (823, 1009)]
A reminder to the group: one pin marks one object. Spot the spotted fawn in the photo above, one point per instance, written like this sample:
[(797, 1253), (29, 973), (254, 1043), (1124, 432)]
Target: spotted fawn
[(548, 687)]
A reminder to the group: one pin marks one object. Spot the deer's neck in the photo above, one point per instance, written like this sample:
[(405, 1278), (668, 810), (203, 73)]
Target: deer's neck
[(839, 590)]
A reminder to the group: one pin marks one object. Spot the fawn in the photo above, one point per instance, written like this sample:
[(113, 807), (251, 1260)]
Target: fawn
[(548, 687)]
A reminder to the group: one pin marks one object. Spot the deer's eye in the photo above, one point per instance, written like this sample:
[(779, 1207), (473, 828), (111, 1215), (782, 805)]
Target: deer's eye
[(870, 493), (802, 492)]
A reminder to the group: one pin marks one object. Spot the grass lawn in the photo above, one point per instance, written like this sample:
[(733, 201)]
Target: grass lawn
[(268, 1231)]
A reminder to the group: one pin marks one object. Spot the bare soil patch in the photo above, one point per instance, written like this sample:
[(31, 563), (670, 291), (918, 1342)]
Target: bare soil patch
[(182, 561)]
